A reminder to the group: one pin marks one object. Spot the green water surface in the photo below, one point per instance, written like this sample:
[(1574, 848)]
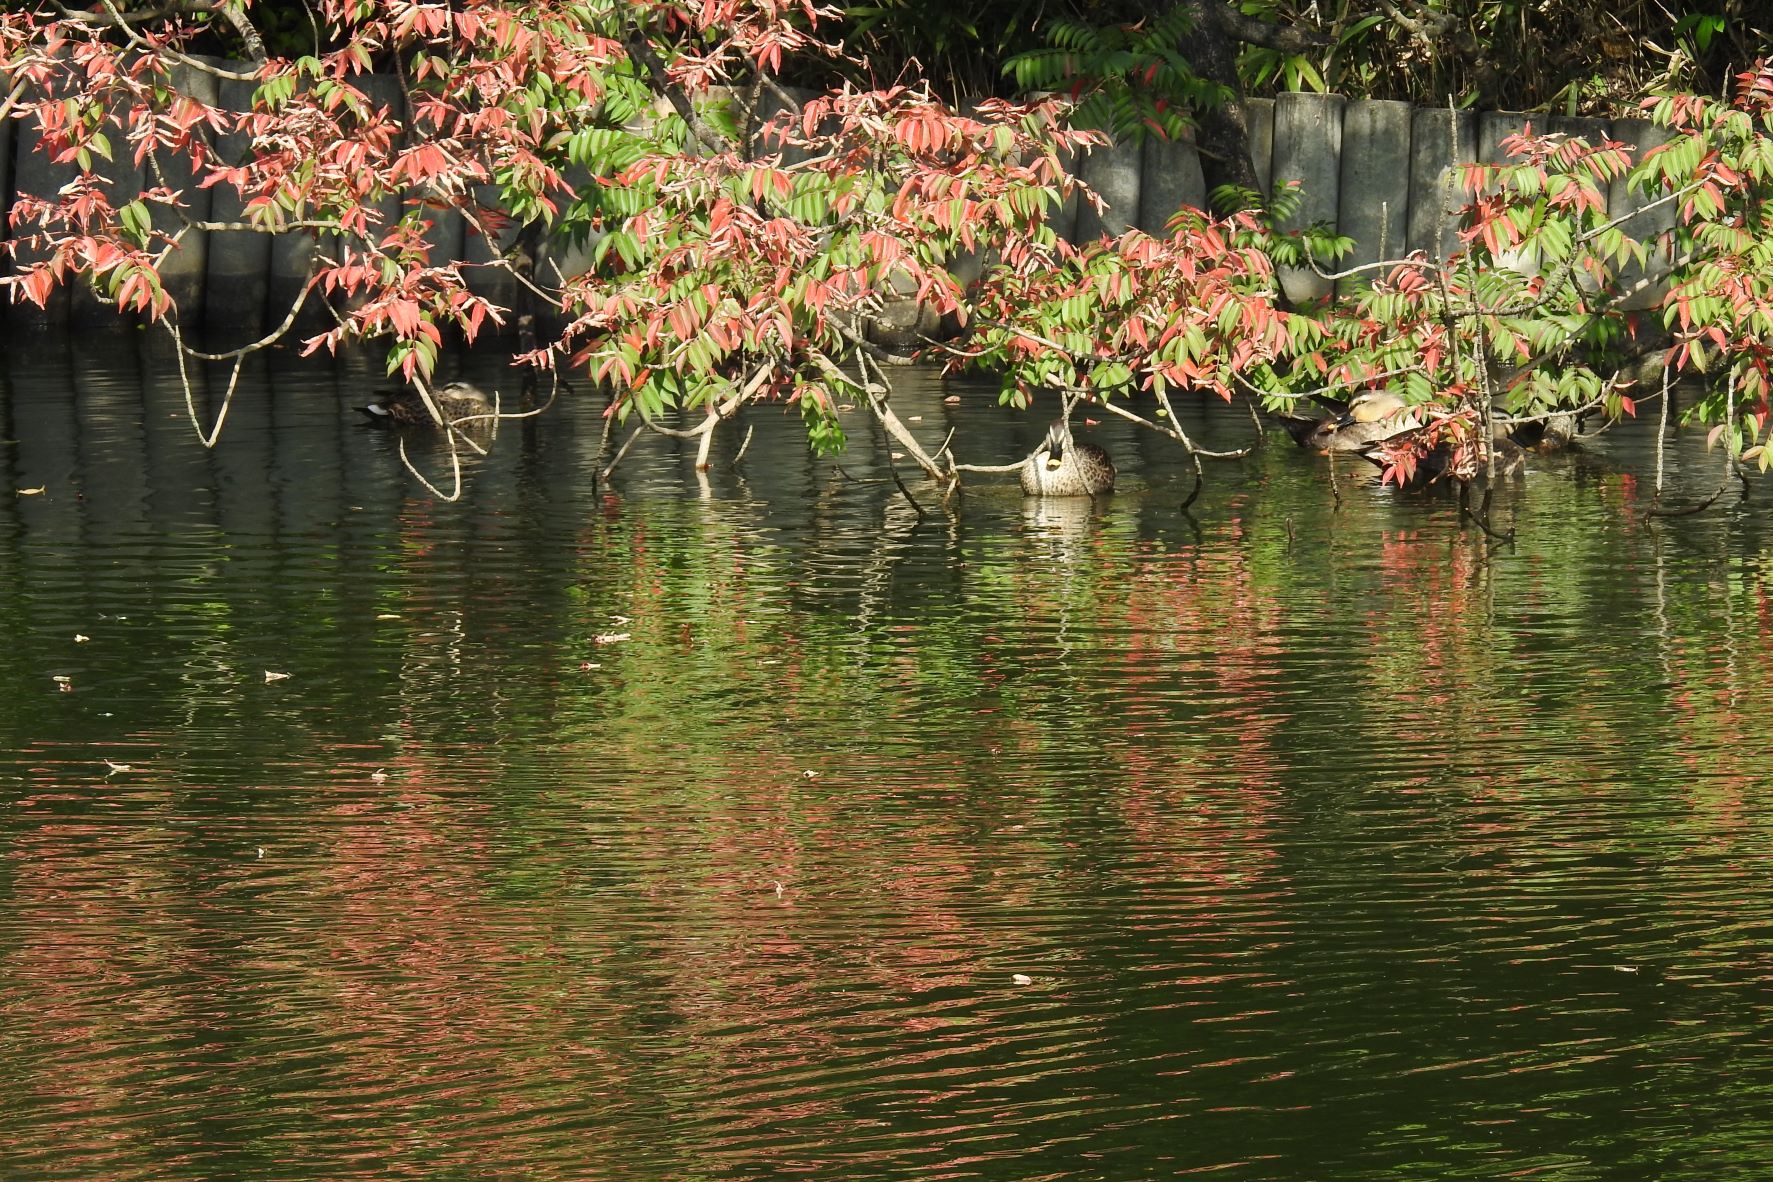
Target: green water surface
[(752, 828)]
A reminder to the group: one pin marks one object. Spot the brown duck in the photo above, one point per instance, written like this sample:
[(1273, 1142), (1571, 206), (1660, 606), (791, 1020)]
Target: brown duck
[(455, 401), (1063, 467), (1371, 417)]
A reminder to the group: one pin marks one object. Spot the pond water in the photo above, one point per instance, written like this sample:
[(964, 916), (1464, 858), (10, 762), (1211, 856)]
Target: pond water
[(756, 829)]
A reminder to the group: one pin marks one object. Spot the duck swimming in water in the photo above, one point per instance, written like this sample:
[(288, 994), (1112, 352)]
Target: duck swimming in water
[(455, 401), (1063, 467), (1371, 417)]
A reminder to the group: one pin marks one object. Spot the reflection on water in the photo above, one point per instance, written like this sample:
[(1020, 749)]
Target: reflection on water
[(648, 832)]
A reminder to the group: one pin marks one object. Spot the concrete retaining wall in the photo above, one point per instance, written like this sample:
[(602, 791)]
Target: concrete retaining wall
[(1380, 172)]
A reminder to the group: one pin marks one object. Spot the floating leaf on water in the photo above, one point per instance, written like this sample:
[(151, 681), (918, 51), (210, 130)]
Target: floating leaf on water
[(951, 400), (270, 676), (1021, 978)]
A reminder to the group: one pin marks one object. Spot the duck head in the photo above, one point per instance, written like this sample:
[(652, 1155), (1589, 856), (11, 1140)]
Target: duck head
[(1057, 440)]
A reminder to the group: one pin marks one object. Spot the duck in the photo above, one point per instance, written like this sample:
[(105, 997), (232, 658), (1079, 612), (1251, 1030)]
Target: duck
[(1553, 433), (1063, 467), (455, 401), (1508, 457), (1369, 418)]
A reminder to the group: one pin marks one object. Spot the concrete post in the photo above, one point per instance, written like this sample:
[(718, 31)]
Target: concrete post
[(1259, 121), (1308, 149), (5, 178), (1375, 201), (291, 254), (1064, 219), (1493, 128), (239, 260), (1173, 179), (1435, 198), (448, 229), (184, 273), (1113, 172), (1496, 126), (1649, 227), (383, 90), (1595, 131), (1578, 127), (35, 175), (489, 282), (122, 180)]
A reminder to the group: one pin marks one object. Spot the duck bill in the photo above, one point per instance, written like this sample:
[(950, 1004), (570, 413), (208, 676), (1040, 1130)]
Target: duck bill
[(1055, 449)]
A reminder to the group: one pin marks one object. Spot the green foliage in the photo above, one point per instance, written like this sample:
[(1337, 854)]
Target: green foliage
[(1569, 56), (1130, 80)]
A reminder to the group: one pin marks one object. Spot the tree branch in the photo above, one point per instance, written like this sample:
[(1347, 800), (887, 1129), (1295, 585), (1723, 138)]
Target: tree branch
[(1285, 38), (641, 50)]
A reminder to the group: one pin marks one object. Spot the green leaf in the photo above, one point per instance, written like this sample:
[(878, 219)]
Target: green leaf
[(138, 223)]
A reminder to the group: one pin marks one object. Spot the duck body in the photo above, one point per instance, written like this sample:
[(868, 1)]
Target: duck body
[(1507, 457), (406, 408), (1371, 417), (1063, 467)]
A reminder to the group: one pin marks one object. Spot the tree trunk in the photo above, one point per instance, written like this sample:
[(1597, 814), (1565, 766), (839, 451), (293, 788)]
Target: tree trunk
[(1224, 140)]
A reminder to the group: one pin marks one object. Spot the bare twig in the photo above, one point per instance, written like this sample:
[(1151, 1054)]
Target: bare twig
[(455, 464), (622, 451), (707, 439), (986, 469), (1330, 388), (241, 25), (1481, 517), (905, 492), (1689, 510), (641, 50), (1661, 430), (609, 425), (12, 97)]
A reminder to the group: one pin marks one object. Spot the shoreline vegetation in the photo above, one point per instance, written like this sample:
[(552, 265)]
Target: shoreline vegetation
[(639, 194)]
